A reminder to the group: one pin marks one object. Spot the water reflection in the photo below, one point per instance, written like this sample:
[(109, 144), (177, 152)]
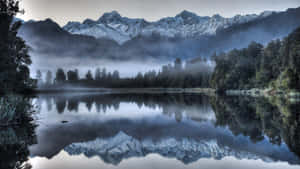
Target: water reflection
[(14, 144), (170, 104), (275, 118), (129, 131), (188, 128), (15, 139)]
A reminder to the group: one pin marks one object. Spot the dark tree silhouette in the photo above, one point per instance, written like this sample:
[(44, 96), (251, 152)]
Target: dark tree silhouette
[(103, 74), (89, 76), (196, 73), (60, 105), (116, 75), (98, 74), (49, 78), (14, 58), (39, 77), (60, 76), (73, 75)]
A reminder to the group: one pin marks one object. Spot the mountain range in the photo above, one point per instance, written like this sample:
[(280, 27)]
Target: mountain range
[(115, 140), (184, 25), (122, 146), (186, 35)]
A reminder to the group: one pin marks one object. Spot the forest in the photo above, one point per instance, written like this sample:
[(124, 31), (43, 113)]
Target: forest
[(195, 73), (276, 66)]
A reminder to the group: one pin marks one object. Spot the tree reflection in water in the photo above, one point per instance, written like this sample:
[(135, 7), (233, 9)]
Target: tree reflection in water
[(16, 136), (256, 117), (171, 104)]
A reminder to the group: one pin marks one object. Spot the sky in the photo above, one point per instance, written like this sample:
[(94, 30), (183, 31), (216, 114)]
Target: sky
[(63, 11)]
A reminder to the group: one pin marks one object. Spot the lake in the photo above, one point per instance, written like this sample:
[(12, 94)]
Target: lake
[(155, 131)]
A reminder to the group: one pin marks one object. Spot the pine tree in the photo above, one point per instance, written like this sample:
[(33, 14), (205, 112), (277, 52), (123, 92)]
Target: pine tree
[(14, 58), (103, 74), (49, 78), (39, 77), (98, 74), (60, 76), (89, 75), (116, 75), (73, 75)]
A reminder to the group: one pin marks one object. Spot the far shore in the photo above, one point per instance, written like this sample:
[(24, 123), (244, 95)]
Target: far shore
[(207, 91), (126, 90)]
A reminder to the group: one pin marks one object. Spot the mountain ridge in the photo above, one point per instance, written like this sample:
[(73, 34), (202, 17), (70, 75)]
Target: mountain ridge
[(122, 146), (63, 44), (112, 25)]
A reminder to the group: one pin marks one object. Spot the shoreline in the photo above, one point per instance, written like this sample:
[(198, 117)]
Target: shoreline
[(295, 96), (128, 90)]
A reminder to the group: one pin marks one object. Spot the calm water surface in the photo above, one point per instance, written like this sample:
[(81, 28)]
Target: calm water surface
[(160, 131)]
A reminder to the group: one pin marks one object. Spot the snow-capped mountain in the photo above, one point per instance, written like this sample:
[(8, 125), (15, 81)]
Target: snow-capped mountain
[(122, 146), (186, 25), (201, 36)]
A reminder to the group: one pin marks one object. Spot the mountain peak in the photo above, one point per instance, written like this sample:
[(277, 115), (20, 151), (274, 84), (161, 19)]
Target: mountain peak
[(189, 18), (267, 13), (110, 17), (49, 23), (48, 20), (185, 14), (112, 13), (88, 22)]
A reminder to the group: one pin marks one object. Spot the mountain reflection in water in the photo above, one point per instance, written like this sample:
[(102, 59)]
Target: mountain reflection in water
[(122, 128)]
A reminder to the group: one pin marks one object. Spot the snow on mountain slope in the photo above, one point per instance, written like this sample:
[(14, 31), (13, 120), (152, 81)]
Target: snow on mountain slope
[(113, 150), (110, 25), (186, 24)]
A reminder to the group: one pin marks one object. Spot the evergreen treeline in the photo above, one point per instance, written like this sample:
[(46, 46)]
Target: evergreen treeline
[(14, 58), (275, 66), (196, 73)]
